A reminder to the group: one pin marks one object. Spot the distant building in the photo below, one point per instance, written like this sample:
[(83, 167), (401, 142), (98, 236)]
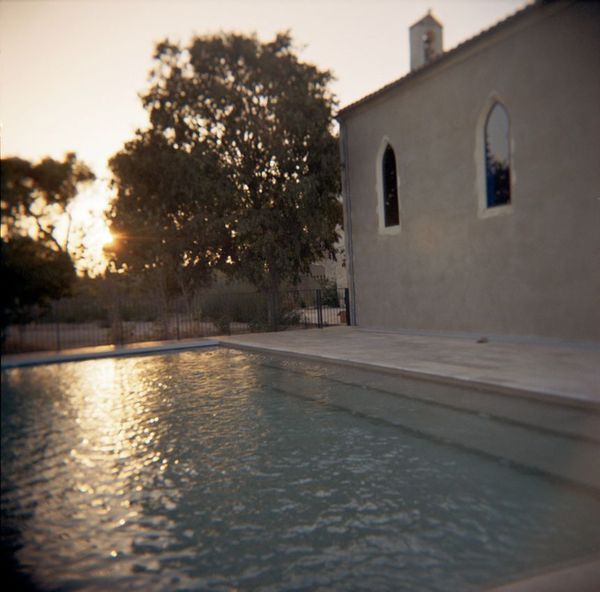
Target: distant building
[(472, 184), (329, 271)]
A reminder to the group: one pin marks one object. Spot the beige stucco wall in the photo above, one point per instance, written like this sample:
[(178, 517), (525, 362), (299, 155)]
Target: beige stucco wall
[(533, 270)]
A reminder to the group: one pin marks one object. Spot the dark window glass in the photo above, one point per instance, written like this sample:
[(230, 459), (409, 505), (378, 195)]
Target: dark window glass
[(497, 157), (428, 46), (390, 189)]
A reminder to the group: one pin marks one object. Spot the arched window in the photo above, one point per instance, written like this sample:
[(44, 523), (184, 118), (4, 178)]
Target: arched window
[(428, 46), (391, 212), (497, 157)]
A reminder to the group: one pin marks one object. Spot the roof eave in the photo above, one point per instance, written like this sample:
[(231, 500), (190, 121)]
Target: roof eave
[(442, 58)]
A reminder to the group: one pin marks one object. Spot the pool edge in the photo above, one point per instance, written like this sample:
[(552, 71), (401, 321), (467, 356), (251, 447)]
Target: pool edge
[(42, 358), (578, 575), (544, 396)]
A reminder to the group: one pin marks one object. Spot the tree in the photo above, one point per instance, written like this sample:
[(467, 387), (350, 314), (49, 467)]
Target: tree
[(36, 266), (167, 217), (238, 169), (35, 196), (32, 275)]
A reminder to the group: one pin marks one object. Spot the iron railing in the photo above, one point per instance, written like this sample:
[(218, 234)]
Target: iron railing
[(73, 323)]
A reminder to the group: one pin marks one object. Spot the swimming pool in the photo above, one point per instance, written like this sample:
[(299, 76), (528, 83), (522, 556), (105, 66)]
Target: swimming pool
[(222, 470)]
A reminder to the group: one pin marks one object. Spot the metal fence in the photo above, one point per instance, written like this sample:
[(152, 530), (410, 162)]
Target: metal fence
[(73, 323)]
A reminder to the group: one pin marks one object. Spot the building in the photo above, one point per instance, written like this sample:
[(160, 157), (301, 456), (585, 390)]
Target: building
[(472, 184), (329, 271)]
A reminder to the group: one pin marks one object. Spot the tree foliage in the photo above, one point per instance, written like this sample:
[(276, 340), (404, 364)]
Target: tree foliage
[(32, 275), (36, 266), (36, 195), (238, 169), (168, 222)]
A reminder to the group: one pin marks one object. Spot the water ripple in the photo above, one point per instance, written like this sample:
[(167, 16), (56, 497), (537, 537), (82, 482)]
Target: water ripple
[(196, 471)]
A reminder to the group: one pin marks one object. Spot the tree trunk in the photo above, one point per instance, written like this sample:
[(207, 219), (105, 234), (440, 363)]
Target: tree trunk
[(186, 294), (114, 313), (273, 303), (161, 305)]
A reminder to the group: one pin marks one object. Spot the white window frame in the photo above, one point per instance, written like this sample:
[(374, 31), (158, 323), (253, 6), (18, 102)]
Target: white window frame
[(483, 211), (383, 229)]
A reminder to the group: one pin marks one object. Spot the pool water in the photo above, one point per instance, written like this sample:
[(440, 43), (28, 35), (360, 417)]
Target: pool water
[(199, 471)]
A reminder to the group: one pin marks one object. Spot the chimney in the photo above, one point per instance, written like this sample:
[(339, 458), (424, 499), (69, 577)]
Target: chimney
[(426, 41)]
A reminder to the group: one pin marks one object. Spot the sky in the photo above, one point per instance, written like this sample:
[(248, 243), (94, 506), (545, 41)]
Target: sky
[(71, 70)]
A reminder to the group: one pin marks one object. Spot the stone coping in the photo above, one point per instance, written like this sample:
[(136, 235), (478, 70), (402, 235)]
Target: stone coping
[(576, 576), (558, 372), (565, 373), (103, 351)]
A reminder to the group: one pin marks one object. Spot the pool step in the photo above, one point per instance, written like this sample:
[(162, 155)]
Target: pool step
[(554, 439), (579, 421)]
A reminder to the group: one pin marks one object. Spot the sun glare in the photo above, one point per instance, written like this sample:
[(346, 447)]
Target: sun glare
[(95, 237), (102, 238), (89, 232)]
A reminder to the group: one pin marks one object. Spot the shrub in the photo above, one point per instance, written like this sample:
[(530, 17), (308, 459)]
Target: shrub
[(329, 294), (244, 307)]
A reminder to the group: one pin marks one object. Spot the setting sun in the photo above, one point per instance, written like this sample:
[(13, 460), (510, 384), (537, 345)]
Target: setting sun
[(88, 229), (100, 238), (95, 236)]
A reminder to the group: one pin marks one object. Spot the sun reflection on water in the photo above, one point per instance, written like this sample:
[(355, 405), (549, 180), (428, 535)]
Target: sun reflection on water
[(205, 471), (107, 420), (121, 461)]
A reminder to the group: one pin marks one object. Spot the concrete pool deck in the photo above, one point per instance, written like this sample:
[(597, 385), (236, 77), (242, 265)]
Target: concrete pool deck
[(564, 371), (557, 370)]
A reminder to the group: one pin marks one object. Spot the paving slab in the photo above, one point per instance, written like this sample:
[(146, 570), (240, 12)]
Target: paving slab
[(569, 372)]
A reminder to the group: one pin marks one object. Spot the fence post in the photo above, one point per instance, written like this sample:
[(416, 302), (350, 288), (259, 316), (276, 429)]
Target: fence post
[(119, 333), (177, 324), (347, 304), (57, 328), (319, 310)]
